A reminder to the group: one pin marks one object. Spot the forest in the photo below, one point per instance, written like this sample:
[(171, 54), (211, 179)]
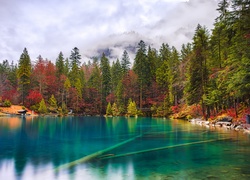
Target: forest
[(210, 75)]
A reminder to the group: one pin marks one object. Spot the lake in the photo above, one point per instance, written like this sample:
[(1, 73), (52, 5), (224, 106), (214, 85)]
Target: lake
[(119, 148)]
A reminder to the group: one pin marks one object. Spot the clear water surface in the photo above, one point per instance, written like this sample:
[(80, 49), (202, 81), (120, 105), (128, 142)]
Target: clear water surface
[(119, 148)]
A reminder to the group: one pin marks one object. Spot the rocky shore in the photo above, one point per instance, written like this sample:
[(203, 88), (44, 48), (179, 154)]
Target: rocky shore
[(225, 122)]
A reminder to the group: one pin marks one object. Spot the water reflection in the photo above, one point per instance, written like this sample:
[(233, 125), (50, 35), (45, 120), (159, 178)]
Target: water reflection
[(35, 147)]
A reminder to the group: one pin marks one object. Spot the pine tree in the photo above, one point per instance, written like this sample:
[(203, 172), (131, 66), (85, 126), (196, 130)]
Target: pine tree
[(106, 78), (23, 73), (152, 63), (52, 104), (198, 73), (141, 68), (131, 109), (125, 62), (109, 110), (60, 69), (163, 67), (116, 74), (115, 110), (95, 78), (120, 97), (42, 107), (74, 73), (78, 86), (173, 73), (67, 85), (67, 67)]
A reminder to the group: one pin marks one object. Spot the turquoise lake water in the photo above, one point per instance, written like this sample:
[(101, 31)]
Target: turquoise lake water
[(119, 148)]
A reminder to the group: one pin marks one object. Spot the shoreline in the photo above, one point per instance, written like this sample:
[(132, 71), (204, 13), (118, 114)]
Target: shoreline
[(229, 125)]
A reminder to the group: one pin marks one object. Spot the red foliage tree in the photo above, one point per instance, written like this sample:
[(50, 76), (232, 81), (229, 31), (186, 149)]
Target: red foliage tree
[(38, 75), (50, 80), (33, 98), (131, 88)]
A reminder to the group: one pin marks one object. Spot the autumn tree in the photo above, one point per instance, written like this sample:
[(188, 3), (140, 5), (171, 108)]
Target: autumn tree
[(52, 104), (33, 99), (8, 81), (131, 109), (39, 76)]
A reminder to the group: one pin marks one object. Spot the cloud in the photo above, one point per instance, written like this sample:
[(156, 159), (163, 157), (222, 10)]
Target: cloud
[(50, 26)]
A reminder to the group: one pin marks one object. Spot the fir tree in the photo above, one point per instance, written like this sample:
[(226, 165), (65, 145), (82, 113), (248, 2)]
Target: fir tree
[(141, 68), (60, 69), (42, 107), (75, 66), (23, 73), (106, 78), (125, 62), (109, 110), (131, 109), (52, 104)]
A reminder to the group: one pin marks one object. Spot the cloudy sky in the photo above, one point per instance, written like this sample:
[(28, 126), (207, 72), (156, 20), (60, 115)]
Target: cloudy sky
[(46, 27)]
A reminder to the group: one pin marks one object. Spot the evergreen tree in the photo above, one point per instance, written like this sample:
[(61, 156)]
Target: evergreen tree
[(12, 75), (42, 107), (52, 104), (74, 73), (67, 85), (173, 73), (109, 110), (64, 108), (125, 62), (141, 68), (95, 78), (78, 86), (198, 72), (162, 75), (115, 110), (106, 78), (120, 97), (163, 69), (152, 62), (116, 74), (60, 69), (82, 78), (67, 67), (131, 109), (23, 73)]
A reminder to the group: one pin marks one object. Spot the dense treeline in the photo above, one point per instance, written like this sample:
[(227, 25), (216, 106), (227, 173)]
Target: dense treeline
[(211, 72)]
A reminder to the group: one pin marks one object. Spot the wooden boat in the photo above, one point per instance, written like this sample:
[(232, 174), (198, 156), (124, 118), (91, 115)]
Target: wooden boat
[(23, 111)]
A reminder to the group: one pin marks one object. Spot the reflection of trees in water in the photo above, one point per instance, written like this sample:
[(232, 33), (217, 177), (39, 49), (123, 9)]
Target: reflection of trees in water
[(20, 154), (10, 123), (45, 140)]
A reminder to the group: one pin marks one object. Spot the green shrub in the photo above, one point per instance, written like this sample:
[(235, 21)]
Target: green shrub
[(6, 103)]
